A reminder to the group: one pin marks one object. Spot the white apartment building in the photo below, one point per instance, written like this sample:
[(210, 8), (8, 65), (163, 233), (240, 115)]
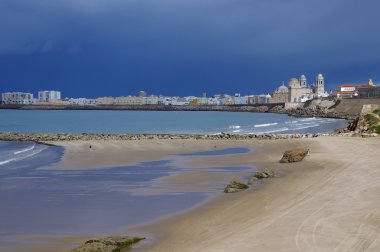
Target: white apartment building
[(49, 96), (105, 100), (82, 101), (17, 98), (129, 100), (151, 100)]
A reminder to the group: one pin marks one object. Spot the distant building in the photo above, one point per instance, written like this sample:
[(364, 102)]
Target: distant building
[(298, 90), (202, 100), (142, 94), (17, 98), (240, 100), (82, 101), (259, 99), (369, 90), (345, 91), (129, 100), (105, 100), (151, 100), (281, 94), (49, 96)]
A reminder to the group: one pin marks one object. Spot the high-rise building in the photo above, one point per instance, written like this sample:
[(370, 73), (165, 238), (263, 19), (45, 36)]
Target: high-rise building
[(49, 96), (17, 98)]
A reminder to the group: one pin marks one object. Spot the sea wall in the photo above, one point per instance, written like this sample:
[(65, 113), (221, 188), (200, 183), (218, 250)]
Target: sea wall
[(89, 137)]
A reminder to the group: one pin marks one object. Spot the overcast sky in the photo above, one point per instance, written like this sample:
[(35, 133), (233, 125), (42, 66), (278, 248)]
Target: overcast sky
[(90, 48)]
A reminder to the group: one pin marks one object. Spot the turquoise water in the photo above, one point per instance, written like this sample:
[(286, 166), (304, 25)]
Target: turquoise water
[(184, 122)]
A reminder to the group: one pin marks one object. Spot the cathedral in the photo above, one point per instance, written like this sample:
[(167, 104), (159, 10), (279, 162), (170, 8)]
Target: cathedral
[(298, 90)]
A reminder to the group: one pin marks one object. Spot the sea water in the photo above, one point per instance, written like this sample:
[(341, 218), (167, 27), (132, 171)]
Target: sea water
[(38, 201), (184, 122)]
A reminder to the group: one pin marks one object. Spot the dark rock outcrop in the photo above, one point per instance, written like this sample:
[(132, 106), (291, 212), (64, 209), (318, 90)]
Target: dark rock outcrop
[(295, 155), (235, 186), (108, 244), (261, 175)]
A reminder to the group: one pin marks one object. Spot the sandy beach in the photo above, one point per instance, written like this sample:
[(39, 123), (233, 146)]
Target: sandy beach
[(328, 202)]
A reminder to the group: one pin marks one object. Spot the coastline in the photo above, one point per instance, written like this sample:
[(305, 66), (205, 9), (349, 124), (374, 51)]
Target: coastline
[(323, 196)]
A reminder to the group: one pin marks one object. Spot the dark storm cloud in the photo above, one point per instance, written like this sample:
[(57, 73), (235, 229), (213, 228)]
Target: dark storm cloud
[(200, 40)]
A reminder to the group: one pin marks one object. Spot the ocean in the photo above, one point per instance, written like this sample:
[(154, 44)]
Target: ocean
[(181, 122)]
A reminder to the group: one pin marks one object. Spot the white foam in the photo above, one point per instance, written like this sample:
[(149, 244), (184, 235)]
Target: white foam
[(236, 131), (291, 122), (264, 125), (273, 131), (21, 157), (310, 119), (25, 150), (234, 127)]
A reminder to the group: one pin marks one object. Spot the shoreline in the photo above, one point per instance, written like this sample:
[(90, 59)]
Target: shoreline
[(329, 175)]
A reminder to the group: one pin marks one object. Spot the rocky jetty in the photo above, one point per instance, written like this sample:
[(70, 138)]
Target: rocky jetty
[(318, 111), (366, 125), (235, 186), (261, 175), (108, 244), (95, 137), (295, 155)]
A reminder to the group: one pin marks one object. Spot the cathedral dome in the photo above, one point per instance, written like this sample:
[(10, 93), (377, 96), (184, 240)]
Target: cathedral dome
[(294, 82), (282, 89), (320, 76)]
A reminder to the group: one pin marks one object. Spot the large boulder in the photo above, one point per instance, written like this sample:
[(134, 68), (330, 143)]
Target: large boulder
[(295, 155), (235, 186), (108, 244)]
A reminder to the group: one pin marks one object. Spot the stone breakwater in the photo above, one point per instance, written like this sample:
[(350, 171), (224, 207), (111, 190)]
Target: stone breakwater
[(91, 137)]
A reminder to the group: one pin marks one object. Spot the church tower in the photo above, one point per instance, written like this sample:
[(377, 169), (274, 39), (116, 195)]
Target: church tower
[(303, 81), (320, 85)]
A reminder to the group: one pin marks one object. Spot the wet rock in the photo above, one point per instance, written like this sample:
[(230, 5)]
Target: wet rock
[(261, 175), (252, 180), (108, 244), (295, 155), (235, 186)]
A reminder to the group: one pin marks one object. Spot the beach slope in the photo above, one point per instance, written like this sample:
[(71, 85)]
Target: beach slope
[(329, 202)]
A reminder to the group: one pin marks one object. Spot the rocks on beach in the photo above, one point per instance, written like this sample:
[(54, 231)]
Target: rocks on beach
[(261, 175), (235, 186), (108, 244), (294, 155)]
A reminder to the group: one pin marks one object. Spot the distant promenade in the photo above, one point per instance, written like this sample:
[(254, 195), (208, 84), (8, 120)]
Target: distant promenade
[(340, 110), (232, 108)]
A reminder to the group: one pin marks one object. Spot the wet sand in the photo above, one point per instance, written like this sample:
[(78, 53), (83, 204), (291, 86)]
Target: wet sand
[(328, 202)]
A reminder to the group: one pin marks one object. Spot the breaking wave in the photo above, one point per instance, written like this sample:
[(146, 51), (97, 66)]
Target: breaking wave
[(264, 125)]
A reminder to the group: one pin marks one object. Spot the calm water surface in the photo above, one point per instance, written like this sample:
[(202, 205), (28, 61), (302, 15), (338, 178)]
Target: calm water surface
[(202, 122)]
